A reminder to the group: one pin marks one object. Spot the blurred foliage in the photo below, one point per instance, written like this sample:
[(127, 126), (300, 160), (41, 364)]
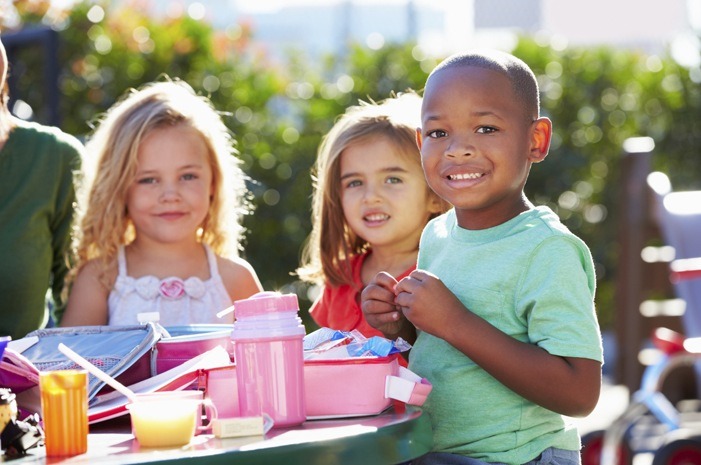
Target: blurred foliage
[(278, 110)]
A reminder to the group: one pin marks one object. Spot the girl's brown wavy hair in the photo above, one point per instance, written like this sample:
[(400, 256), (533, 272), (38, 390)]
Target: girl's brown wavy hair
[(332, 243)]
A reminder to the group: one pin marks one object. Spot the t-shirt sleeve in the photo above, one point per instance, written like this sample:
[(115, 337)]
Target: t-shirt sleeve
[(556, 299), (319, 310)]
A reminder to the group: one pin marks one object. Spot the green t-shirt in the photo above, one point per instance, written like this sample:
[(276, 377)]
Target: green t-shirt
[(532, 279), (36, 212)]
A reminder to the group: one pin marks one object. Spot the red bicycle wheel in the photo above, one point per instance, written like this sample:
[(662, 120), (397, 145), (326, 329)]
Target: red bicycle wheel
[(679, 452), (593, 442)]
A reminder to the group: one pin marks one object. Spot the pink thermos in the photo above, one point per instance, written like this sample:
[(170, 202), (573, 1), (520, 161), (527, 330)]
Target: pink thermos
[(269, 356)]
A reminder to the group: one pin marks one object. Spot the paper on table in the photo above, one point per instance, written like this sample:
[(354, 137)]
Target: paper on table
[(113, 404), (20, 345)]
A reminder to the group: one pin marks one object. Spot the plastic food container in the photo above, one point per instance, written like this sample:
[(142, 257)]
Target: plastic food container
[(348, 387)]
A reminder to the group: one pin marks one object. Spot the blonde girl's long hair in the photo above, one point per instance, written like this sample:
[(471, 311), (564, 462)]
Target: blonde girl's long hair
[(103, 222), (331, 244)]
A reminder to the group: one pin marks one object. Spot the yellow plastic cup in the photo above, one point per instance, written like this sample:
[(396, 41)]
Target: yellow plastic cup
[(168, 419), (64, 406)]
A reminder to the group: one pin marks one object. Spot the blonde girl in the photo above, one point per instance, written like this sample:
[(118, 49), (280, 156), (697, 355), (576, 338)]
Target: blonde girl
[(370, 204), (160, 214)]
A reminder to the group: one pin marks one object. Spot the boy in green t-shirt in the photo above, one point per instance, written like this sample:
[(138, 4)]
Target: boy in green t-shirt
[(501, 306)]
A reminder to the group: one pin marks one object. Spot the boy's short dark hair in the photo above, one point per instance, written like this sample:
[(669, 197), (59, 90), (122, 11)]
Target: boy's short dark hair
[(520, 75)]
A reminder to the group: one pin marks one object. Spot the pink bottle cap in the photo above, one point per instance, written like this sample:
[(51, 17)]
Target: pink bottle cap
[(267, 315), (265, 303)]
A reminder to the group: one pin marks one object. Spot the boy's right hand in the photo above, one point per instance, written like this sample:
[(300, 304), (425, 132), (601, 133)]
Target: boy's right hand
[(380, 310)]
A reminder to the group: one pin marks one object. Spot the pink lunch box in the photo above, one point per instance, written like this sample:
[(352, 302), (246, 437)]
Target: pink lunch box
[(187, 342), (333, 388), (347, 387)]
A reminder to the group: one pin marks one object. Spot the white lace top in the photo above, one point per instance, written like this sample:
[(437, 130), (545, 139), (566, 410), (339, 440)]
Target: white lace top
[(178, 301)]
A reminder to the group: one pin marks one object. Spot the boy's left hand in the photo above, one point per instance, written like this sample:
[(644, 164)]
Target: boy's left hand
[(427, 302)]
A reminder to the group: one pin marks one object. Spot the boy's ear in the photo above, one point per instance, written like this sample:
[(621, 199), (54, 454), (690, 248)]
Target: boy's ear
[(419, 140), (435, 204), (540, 139)]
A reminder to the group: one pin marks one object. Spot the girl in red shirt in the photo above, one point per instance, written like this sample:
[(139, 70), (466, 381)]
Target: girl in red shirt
[(370, 204)]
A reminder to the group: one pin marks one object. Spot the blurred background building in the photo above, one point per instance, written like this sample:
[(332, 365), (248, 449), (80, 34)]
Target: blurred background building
[(444, 26)]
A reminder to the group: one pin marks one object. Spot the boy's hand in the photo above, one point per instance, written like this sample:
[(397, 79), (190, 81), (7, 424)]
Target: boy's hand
[(380, 310), (427, 303)]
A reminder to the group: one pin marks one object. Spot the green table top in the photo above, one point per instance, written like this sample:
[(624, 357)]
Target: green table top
[(391, 437)]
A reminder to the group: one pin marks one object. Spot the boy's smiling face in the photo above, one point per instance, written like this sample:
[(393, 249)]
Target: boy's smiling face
[(477, 144)]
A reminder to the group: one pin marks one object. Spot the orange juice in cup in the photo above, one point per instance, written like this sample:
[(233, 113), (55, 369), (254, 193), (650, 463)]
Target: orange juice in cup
[(64, 406)]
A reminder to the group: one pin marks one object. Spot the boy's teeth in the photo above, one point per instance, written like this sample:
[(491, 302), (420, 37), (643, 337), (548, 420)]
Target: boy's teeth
[(453, 177)]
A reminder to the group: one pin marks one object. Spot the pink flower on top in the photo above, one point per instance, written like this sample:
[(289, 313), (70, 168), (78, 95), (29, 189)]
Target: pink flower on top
[(172, 288)]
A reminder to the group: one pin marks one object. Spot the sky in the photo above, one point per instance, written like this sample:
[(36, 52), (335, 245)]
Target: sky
[(595, 21)]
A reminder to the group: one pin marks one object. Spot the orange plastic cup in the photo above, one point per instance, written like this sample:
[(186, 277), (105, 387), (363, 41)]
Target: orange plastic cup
[(64, 405)]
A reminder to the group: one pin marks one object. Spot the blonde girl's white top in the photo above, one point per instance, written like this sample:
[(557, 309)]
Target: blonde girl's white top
[(178, 301)]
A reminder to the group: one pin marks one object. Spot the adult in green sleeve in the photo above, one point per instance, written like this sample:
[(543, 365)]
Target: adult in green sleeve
[(37, 196)]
